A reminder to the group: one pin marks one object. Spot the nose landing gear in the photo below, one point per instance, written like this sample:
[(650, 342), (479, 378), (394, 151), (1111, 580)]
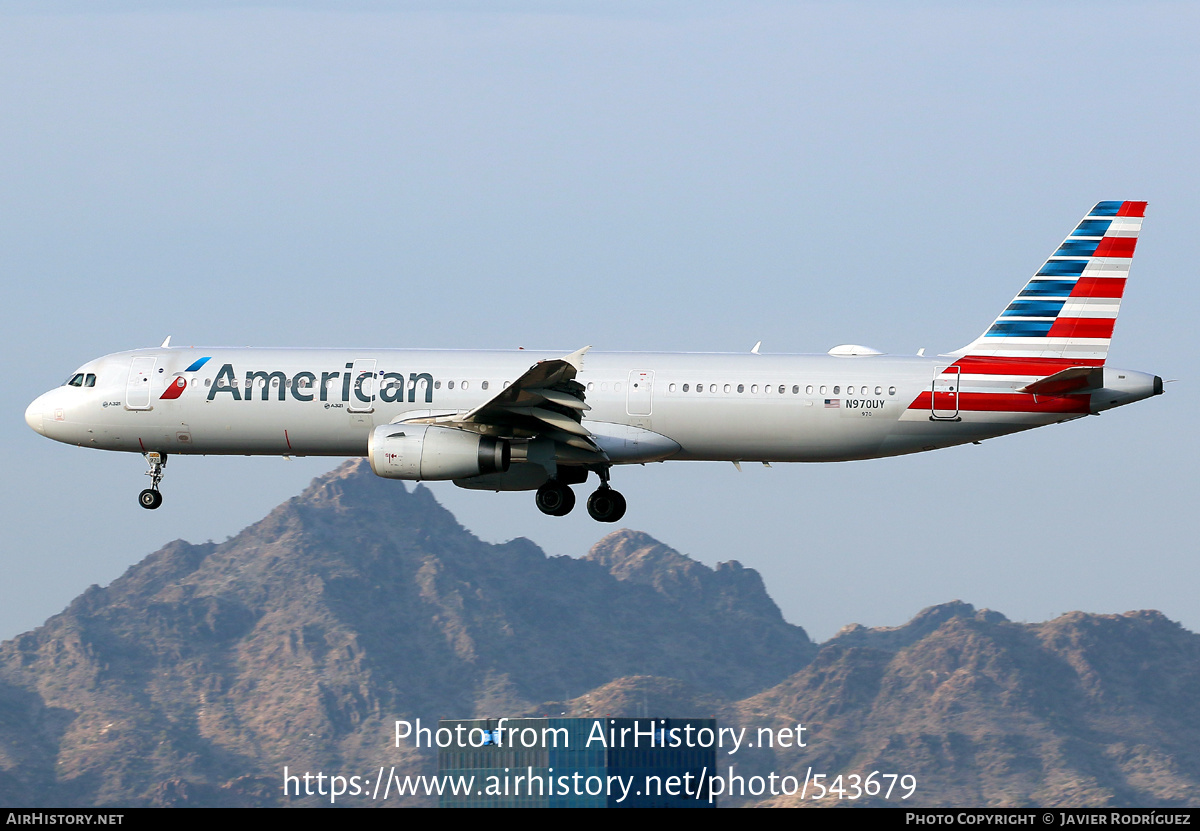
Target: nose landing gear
[(150, 498)]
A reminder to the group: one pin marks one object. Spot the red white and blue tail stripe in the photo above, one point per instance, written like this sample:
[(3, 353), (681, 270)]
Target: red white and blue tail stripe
[(1037, 362), (1067, 310)]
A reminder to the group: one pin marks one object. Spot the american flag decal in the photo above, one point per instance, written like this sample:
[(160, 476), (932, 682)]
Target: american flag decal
[(833, 403)]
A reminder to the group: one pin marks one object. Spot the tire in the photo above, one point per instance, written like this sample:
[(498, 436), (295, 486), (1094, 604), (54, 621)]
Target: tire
[(606, 505), (568, 503), (149, 499), (555, 499)]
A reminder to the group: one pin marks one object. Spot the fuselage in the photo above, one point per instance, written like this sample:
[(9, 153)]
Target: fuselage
[(643, 406)]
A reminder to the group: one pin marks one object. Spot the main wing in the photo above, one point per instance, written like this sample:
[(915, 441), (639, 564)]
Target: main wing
[(545, 402)]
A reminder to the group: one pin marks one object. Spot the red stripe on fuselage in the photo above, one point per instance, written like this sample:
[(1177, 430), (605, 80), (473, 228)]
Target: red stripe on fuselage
[(1039, 367), (1000, 402)]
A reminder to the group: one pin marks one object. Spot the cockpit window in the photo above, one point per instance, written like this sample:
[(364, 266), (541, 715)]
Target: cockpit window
[(90, 380), (76, 380)]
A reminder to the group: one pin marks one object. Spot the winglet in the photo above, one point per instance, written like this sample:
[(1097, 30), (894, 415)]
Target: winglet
[(754, 351), (166, 343), (575, 359)]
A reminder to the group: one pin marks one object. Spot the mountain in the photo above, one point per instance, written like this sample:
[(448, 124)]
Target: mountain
[(205, 669), (1084, 710)]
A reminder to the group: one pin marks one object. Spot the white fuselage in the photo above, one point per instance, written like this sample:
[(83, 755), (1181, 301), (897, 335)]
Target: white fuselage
[(644, 406)]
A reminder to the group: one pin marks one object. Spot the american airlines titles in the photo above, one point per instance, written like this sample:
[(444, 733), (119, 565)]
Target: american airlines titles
[(304, 386)]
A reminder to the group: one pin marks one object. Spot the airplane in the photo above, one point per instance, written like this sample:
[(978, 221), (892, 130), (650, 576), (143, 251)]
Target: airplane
[(491, 420)]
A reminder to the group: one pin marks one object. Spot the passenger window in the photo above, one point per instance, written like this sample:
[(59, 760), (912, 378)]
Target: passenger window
[(449, 385), (741, 387), (485, 385), (712, 387), (437, 385), (591, 385), (617, 386), (809, 389), (685, 387), (464, 385), (671, 388), (837, 390), (891, 390), (794, 389), (754, 388), (208, 382), (727, 388), (879, 390), (824, 389)]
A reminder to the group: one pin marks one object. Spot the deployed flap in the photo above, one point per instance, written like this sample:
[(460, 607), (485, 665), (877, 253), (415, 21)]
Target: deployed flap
[(1075, 379), (545, 401)]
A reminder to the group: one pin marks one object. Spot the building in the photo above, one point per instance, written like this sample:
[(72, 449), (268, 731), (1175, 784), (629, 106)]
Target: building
[(576, 762)]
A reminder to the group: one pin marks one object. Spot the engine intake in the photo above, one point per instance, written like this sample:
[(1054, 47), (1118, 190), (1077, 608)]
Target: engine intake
[(425, 451)]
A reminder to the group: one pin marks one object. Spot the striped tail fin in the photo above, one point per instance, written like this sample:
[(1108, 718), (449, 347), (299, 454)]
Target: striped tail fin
[(1067, 310)]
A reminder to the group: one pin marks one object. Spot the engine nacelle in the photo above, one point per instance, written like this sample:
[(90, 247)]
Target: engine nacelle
[(426, 451)]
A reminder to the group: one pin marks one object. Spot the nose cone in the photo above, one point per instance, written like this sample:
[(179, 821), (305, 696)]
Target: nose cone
[(33, 415)]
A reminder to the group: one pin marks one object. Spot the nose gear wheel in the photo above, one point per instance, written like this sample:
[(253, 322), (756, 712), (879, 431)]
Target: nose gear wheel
[(151, 498)]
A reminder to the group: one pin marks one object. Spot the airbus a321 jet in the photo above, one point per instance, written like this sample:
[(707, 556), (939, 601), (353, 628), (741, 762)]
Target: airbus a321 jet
[(492, 421)]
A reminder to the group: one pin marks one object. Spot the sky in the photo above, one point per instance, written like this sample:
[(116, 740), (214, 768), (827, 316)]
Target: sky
[(633, 176)]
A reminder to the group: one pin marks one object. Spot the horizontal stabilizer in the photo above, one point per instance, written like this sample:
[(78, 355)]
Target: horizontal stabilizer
[(1075, 379)]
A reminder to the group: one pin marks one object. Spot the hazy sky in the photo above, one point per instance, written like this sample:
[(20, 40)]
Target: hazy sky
[(660, 176)]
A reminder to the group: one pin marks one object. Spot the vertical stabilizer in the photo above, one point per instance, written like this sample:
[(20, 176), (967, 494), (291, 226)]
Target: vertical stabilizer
[(1067, 310)]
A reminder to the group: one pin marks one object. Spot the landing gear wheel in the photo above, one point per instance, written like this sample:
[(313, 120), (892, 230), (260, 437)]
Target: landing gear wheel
[(150, 498), (555, 498), (606, 505)]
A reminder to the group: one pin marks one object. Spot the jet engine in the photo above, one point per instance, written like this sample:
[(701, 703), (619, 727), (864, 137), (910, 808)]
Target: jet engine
[(425, 451)]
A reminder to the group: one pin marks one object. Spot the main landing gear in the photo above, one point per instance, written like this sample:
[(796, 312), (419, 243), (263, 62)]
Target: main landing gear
[(150, 498), (557, 499)]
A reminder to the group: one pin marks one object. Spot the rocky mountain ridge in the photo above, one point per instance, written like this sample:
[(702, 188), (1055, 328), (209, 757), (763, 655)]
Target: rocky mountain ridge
[(199, 674)]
